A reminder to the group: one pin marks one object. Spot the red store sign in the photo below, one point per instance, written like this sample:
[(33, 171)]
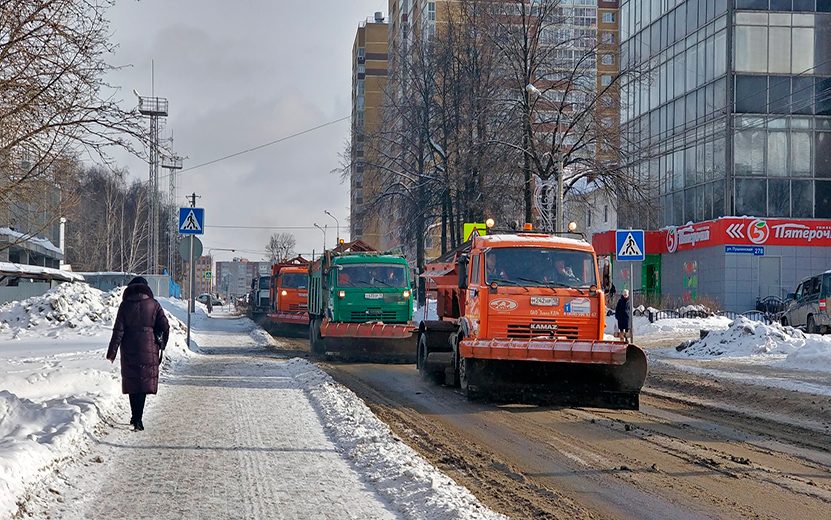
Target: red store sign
[(749, 231), (746, 231)]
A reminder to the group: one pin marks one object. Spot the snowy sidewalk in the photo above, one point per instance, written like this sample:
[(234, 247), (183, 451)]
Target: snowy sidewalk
[(238, 432), (228, 438)]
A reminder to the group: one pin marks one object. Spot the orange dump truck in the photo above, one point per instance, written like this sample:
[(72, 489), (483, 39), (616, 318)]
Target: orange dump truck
[(289, 295), (522, 313)]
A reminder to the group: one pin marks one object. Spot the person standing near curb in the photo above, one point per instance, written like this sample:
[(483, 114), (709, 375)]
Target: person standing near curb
[(140, 321), (622, 314)]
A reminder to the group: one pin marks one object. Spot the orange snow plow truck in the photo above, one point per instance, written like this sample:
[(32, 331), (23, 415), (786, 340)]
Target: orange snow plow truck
[(523, 314), (289, 295)]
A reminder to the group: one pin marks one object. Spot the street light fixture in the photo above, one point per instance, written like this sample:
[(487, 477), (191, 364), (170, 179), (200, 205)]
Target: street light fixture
[(337, 227), (324, 235)]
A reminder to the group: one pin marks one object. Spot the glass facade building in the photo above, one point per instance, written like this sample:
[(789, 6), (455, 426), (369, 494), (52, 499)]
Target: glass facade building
[(733, 101)]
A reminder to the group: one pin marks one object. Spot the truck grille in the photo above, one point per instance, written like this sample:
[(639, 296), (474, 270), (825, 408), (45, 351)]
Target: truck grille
[(373, 315), (526, 332), (298, 307)]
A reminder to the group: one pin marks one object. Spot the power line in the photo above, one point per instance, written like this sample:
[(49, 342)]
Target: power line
[(280, 140), (271, 227)]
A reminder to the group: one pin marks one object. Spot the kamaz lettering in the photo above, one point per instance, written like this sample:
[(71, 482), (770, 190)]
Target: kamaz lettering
[(543, 326)]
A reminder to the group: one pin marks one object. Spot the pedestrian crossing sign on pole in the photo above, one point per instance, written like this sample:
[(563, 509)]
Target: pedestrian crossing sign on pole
[(629, 245), (191, 221)]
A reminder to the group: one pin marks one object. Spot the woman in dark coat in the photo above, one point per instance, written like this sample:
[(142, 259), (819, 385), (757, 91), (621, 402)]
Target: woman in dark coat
[(140, 320), (622, 313)]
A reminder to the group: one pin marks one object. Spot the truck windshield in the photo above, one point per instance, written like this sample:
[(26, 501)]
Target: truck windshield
[(540, 266), (293, 280), (371, 275), (264, 281)]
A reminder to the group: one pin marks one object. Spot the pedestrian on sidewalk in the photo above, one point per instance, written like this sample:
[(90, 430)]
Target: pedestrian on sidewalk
[(210, 303), (622, 314), (141, 331)]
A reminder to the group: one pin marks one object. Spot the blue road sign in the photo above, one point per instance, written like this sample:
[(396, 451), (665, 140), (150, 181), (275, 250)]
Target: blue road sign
[(191, 221), (629, 245), (756, 250)]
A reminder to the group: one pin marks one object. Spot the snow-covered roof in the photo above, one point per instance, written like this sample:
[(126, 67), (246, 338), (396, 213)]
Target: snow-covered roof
[(26, 238), (36, 271)]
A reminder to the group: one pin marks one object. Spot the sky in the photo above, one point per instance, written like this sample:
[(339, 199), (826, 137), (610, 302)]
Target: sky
[(238, 75)]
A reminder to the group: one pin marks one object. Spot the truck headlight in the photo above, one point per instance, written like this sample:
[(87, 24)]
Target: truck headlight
[(406, 295), (284, 292), (341, 294)]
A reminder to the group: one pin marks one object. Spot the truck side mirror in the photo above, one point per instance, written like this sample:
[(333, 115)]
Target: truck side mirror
[(791, 296), (462, 266)]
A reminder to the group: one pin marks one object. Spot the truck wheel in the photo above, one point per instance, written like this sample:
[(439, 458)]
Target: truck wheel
[(315, 340), (466, 373), (421, 362), (811, 327)]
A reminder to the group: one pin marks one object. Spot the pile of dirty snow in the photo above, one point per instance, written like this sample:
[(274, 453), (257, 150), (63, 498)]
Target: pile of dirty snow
[(745, 338)]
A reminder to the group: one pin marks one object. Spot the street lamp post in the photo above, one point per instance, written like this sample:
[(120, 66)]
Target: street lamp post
[(324, 235), (337, 227)]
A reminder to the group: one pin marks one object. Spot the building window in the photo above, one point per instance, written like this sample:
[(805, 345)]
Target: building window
[(606, 214), (605, 80), (361, 53), (608, 17), (607, 122), (359, 103), (607, 38), (589, 219), (431, 11), (359, 196), (359, 180), (360, 88), (361, 69), (607, 59)]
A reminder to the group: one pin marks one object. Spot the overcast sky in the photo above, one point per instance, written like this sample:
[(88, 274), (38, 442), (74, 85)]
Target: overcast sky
[(240, 74)]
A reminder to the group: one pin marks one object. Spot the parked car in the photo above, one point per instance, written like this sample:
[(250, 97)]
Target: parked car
[(203, 299), (806, 307)]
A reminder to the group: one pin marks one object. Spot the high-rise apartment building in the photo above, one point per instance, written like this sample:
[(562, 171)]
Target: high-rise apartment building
[(369, 78), (736, 110)]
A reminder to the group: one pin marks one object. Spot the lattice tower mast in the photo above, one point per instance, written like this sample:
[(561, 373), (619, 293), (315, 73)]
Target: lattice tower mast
[(154, 108), (173, 164)]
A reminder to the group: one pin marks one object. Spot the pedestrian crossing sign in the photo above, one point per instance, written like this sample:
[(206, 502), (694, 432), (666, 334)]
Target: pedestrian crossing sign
[(469, 228), (191, 221), (630, 245)]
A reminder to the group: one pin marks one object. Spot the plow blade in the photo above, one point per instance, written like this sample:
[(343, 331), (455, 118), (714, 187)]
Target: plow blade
[(294, 318), (293, 324), (370, 341), (588, 373)]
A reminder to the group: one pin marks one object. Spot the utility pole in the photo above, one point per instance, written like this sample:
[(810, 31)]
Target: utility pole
[(191, 273)]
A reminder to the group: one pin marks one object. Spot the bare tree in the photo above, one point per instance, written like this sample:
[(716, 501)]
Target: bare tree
[(280, 247), (54, 103), (565, 120)]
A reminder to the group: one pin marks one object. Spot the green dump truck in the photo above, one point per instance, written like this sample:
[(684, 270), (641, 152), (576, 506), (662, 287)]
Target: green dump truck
[(361, 305)]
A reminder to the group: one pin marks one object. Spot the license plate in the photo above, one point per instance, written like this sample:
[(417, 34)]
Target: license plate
[(374, 296), (547, 301)]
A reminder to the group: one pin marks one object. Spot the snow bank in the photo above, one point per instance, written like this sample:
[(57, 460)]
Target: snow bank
[(744, 338), (56, 384), (400, 475)]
